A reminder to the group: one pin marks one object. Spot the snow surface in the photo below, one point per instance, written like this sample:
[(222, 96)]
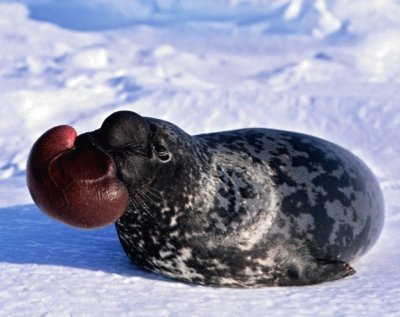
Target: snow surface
[(327, 68)]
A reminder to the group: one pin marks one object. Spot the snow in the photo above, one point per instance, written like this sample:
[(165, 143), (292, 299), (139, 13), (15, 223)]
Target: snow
[(327, 68)]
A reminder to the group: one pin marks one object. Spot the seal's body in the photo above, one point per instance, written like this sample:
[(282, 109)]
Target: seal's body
[(253, 207), (244, 208)]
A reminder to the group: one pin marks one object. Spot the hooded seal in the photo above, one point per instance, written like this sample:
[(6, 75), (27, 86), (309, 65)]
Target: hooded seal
[(243, 208)]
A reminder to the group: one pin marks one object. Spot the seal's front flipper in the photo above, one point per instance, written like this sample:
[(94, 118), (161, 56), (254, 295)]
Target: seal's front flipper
[(315, 272)]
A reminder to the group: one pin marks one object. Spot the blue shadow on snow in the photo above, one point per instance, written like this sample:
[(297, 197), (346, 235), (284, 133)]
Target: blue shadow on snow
[(27, 236)]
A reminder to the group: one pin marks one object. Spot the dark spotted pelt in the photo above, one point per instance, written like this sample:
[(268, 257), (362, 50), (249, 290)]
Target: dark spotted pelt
[(243, 208)]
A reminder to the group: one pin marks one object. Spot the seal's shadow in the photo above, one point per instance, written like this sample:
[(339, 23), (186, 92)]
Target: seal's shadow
[(29, 237)]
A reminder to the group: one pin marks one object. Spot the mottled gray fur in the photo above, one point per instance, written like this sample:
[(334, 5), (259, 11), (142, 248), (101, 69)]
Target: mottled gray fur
[(251, 208)]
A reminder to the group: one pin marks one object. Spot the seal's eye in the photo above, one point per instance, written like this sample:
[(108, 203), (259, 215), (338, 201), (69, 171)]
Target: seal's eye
[(162, 153)]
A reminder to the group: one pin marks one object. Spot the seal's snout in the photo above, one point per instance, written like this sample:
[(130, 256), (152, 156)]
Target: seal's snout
[(71, 179), (85, 140)]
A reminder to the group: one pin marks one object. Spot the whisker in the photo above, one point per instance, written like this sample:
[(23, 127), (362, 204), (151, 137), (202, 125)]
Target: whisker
[(134, 203), (149, 199), (144, 206), (155, 193)]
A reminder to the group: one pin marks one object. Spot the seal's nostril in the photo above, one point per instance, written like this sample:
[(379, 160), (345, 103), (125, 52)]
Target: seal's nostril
[(84, 140)]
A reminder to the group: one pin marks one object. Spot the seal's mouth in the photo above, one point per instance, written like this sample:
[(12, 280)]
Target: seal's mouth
[(72, 179)]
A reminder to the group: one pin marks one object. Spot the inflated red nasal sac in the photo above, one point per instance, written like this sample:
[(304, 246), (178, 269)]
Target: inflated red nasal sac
[(76, 185)]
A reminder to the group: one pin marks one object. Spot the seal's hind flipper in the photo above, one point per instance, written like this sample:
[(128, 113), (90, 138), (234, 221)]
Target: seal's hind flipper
[(333, 270), (316, 272)]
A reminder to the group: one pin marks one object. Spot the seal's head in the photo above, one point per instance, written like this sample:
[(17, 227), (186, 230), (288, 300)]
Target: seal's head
[(85, 180), (140, 150)]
